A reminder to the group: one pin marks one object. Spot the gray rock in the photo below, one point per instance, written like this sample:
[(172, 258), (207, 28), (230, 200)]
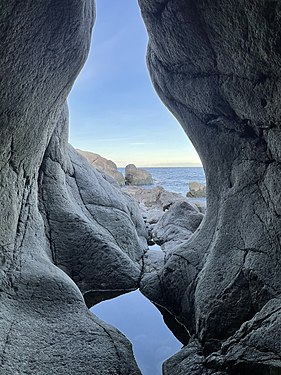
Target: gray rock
[(196, 190), (104, 165), (153, 203), (148, 198), (156, 198), (45, 326), (88, 216), (261, 334), (176, 226), (137, 176), (216, 65), (189, 360)]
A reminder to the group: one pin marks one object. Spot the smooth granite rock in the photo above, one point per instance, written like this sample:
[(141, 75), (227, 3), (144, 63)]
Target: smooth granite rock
[(53, 204), (216, 65), (104, 165), (137, 176)]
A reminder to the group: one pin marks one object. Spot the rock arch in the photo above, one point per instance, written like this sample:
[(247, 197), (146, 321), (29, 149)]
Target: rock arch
[(60, 220), (216, 65)]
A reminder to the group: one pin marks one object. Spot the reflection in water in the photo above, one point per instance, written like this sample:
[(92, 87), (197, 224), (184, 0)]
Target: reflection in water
[(142, 323)]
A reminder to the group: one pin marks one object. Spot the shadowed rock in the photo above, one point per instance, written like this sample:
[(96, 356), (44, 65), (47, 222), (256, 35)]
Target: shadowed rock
[(216, 65), (59, 217)]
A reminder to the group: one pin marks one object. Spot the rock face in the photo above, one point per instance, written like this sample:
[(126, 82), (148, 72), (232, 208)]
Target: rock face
[(104, 165), (137, 176), (176, 226), (62, 225), (156, 198), (216, 65), (196, 190), (155, 202)]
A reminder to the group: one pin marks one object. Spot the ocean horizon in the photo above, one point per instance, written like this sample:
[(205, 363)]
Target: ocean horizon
[(175, 179)]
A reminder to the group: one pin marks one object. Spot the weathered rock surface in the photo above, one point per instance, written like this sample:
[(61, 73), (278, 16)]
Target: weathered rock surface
[(137, 176), (189, 360), (104, 165), (156, 198), (155, 202), (196, 190), (55, 209), (216, 65), (97, 232), (176, 226)]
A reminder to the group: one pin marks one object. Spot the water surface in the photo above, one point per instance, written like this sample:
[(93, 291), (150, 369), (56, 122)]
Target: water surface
[(142, 323)]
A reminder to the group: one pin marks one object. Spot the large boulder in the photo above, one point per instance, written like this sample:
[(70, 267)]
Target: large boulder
[(104, 165), (137, 176), (196, 190), (97, 232), (147, 198), (154, 202), (156, 198), (176, 226), (57, 238), (216, 65)]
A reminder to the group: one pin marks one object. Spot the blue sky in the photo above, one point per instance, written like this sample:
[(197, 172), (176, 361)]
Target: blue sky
[(114, 110)]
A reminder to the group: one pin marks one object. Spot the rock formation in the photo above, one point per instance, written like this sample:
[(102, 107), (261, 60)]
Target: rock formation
[(108, 167), (156, 201), (176, 226), (137, 176), (216, 65), (62, 225), (196, 190)]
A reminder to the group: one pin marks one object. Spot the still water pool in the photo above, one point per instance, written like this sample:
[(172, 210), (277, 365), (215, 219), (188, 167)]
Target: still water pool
[(142, 323)]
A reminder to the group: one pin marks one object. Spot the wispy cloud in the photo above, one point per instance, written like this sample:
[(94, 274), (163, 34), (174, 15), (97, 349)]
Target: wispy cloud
[(141, 143), (112, 139)]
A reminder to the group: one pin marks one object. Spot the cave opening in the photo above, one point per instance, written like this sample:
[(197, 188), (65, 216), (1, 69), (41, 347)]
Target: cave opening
[(115, 113)]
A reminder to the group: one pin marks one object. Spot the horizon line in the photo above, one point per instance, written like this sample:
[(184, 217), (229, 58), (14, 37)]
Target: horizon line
[(164, 166)]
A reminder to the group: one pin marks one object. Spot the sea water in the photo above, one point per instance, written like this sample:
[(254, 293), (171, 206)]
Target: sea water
[(175, 179), (132, 313)]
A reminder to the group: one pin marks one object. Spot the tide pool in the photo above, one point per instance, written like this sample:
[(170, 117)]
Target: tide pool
[(142, 323)]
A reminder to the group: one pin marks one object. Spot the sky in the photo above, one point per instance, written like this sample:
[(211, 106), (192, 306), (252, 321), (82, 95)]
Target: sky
[(114, 110), (143, 324)]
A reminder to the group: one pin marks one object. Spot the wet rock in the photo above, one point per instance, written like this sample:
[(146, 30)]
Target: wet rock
[(104, 165), (137, 176)]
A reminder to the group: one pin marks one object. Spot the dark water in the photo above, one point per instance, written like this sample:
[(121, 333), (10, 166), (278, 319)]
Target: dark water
[(175, 179), (142, 323)]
